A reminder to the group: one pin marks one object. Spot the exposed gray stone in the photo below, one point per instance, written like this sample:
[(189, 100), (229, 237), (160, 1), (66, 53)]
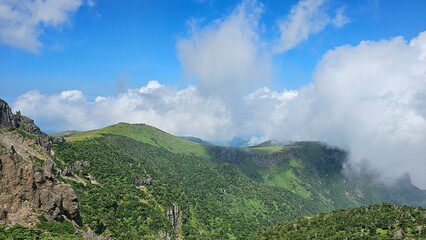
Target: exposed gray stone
[(26, 191)]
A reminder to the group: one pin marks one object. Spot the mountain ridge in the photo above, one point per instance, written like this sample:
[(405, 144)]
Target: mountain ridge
[(267, 156), (261, 184), (144, 133), (135, 180)]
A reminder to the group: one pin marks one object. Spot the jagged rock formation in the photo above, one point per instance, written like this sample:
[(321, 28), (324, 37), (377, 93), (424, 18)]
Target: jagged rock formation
[(10, 120), (174, 215), (78, 165), (28, 186), (7, 119)]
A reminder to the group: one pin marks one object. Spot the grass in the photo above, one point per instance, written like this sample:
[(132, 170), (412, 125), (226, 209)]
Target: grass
[(278, 175), (296, 163), (284, 178), (381, 232), (246, 206), (146, 134), (266, 149)]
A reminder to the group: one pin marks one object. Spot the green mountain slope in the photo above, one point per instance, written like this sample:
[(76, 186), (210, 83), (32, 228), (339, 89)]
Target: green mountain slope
[(383, 221), (134, 180), (314, 170), (43, 230), (146, 134), (215, 200)]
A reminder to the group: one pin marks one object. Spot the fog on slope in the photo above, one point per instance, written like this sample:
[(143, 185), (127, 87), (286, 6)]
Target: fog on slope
[(369, 99)]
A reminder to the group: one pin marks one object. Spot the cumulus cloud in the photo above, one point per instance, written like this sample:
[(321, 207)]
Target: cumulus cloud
[(226, 55), (71, 95), (22, 22), (368, 99), (181, 112), (307, 17)]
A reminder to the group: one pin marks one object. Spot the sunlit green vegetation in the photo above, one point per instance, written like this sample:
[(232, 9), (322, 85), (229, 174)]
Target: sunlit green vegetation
[(146, 134), (216, 200), (383, 221), (266, 149), (47, 230), (222, 193)]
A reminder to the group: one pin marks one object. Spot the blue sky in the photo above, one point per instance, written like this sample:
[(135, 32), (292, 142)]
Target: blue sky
[(105, 48), (348, 73)]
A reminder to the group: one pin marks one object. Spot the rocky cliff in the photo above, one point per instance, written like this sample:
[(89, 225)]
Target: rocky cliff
[(28, 186), (10, 120)]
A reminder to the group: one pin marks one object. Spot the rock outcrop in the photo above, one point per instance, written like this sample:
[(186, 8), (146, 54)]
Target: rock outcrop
[(28, 187), (7, 118), (174, 215), (78, 165), (10, 120), (143, 181)]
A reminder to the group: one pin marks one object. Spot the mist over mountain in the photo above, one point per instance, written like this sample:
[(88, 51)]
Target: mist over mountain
[(175, 187), (364, 94), (240, 119)]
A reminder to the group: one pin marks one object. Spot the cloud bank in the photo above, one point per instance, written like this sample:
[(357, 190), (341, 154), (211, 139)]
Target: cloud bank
[(181, 112), (369, 99), (22, 22)]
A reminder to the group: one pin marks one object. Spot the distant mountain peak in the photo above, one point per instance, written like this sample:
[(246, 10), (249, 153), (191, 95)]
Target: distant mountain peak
[(239, 142)]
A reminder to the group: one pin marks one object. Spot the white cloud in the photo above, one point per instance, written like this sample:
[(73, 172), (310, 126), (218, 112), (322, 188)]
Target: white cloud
[(99, 98), (307, 17), (266, 93), (71, 95), (226, 56), (369, 99), (151, 86), (23, 21), (340, 19), (181, 112), (257, 140)]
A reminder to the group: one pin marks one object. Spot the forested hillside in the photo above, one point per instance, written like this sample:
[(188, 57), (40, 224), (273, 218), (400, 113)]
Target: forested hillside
[(213, 200), (135, 180), (385, 221)]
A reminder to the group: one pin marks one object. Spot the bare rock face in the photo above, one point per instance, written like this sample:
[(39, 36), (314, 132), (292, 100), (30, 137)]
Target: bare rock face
[(143, 181), (10, 120), (174, 215), (7, 118), (28, 187)]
